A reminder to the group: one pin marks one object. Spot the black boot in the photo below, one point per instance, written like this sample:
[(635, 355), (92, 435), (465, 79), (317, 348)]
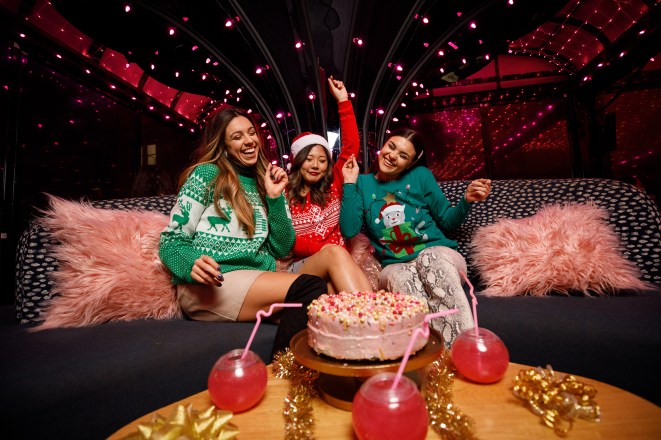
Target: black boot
[(294, 319)]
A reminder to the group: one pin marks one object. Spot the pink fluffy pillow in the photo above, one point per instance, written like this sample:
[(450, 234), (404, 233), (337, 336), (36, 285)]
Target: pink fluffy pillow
[(109, 266), (562, 248)]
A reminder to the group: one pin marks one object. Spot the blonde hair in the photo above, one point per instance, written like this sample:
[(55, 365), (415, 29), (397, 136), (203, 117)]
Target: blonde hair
[(213, 150)]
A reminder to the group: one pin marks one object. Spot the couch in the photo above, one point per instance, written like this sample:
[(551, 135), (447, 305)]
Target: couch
[(87, 382)]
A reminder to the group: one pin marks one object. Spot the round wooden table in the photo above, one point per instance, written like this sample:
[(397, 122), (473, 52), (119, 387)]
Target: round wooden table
[(494, 409)]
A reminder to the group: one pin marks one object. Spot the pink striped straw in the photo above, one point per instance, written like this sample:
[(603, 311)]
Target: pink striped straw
[(473, 299), (259, 319), (420, 331)]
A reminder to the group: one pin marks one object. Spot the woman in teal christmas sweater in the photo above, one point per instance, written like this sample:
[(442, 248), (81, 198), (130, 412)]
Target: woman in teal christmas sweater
[(220, 243), (406, 215)]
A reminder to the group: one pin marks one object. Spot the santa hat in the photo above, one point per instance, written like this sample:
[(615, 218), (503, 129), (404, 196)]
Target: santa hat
[(306, 138), (387, 209)]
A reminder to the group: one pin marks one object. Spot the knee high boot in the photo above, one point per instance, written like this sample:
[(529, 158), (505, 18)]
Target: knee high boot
[(303, 290)]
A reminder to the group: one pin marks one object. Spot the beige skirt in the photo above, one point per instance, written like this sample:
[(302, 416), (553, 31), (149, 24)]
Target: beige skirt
[(202, 302)]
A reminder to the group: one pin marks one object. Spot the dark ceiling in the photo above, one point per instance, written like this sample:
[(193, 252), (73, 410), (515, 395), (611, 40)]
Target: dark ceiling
[(190, 57)]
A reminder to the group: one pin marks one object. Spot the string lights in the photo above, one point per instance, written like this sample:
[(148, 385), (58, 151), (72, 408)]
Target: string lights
[(572, 40)]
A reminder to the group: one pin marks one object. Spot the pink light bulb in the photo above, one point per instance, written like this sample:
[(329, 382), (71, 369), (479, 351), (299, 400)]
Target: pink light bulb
[(382, 413), (237, 383)]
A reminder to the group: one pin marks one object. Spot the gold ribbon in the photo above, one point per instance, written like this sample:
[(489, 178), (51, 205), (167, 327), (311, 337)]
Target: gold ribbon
[(185, 423), (558, 399)]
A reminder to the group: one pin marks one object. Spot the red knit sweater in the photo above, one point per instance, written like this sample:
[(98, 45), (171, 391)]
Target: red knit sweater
[(316, 226)]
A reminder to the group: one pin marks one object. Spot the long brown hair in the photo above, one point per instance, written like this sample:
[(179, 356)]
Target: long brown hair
[(213, 150), (413, 136), (319, 190)]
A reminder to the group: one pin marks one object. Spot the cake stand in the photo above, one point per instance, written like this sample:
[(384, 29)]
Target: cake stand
[(340, 379)]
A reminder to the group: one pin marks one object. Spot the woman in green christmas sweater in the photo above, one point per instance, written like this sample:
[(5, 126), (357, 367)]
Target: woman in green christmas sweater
[(405, 215), (220, 245)]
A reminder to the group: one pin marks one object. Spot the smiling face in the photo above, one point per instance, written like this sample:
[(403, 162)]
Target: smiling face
[(315, 165), (242, 141), (396, 155)]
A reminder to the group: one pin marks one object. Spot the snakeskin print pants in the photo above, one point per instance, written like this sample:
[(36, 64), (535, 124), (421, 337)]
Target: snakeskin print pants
[(434, 277)]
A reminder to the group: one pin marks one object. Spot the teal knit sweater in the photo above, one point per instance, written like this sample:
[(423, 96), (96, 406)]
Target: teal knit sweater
[(401, 217)]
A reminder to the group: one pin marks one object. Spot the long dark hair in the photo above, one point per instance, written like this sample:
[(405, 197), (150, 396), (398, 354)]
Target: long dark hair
[(416, 140), (319, 190), (213, 150)]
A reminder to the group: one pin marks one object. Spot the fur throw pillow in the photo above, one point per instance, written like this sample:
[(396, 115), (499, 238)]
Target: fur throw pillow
[(109, 268), (561, 249)]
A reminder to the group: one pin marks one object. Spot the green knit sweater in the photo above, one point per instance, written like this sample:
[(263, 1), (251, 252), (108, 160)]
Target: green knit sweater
[(196, 229)]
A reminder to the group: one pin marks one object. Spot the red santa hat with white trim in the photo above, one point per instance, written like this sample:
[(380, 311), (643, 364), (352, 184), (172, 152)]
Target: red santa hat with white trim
[(387, 209), (306, 138)]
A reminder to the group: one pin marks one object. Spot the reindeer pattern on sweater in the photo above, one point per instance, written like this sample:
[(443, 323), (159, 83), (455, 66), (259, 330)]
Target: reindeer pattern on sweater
[(197, 229)]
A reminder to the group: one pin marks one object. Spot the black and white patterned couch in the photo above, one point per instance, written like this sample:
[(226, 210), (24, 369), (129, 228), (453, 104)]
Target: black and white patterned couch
[(88, 382)]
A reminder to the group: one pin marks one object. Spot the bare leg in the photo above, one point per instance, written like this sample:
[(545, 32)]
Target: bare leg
[(268, 288), (336, 265)]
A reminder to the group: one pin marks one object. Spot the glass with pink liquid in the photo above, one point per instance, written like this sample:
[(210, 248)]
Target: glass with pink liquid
[(480, 355), (382, 412), (236, 382)]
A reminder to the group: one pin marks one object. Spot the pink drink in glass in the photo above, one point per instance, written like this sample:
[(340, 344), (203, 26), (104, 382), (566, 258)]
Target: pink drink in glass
[(480, 356), (380, 412), (237, 384)]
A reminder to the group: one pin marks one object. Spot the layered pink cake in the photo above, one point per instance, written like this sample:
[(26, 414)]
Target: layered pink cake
[(365, 325)]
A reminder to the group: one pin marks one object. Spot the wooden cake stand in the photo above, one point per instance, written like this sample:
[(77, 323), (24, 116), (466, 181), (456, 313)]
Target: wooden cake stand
[(340, 379)]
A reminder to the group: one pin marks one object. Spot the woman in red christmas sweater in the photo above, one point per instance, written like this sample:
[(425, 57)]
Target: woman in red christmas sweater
[(315, 195)]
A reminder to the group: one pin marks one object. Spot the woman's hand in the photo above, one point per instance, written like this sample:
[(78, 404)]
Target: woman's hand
[(275, 181), (207, 271), (337, 88), (350, 170), (478, 190)]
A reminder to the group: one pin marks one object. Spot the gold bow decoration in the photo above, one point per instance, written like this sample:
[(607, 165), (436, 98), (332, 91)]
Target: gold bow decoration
[(185, 423), (558, 399)]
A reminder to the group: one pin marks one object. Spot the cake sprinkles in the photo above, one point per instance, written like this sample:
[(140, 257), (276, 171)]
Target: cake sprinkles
[(365, 325)]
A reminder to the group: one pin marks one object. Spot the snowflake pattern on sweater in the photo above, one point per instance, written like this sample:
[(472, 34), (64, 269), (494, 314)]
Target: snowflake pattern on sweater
[(318, 226), (196, 229)]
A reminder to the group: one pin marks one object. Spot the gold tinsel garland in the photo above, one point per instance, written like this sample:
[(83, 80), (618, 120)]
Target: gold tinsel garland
[(185, 423), (298, 413), (445, 418), (557, 399)]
